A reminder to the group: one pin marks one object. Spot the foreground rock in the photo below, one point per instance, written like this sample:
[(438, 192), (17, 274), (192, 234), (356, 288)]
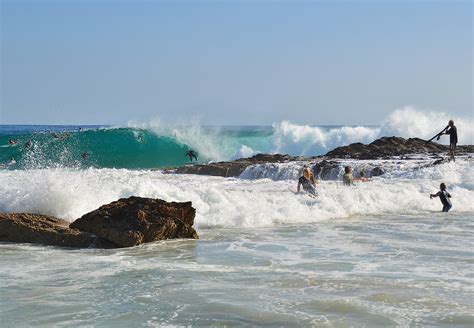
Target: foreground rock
[(41, 229), (132, 221), (388, 147)]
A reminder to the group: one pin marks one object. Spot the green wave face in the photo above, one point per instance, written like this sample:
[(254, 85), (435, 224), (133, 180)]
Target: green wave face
[(129, 148), (108, 148)]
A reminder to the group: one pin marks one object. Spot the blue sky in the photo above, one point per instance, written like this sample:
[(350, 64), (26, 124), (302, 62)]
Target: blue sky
[(232, 62)]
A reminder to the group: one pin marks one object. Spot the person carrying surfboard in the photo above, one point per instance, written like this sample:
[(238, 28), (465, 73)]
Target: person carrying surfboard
[(307, 182)]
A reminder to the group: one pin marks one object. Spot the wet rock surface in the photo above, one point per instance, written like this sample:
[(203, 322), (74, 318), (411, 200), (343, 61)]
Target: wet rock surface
[(388, 147), (233, 168), (123, 223), (41, 229), (329, 165), (135, 220)]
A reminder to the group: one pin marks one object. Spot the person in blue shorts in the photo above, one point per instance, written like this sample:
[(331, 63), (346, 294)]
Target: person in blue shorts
[(444, 196)]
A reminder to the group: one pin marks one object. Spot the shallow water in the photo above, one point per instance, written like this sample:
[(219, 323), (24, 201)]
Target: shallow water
[(370, 271)]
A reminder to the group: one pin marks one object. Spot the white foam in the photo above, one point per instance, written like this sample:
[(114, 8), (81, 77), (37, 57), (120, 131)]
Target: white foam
[(294, 139), (409, 122), (233, 202), (307, 140)]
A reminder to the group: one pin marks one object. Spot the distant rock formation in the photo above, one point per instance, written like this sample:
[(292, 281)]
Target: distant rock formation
[(133, 221), (41, 229), (123, 223), (328, 166), (233, 168), (388, 147)]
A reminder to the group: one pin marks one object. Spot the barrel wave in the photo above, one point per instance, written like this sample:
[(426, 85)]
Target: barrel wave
[(108, 148), (131, 148)]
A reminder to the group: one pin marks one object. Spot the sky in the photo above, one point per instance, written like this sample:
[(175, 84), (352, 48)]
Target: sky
[(232, 62)]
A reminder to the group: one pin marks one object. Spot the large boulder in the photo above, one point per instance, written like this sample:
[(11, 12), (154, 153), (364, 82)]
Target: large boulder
[(132, 221), (41, 229)]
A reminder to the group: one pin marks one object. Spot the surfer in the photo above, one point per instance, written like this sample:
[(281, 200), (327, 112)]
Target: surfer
[(85, 156), (12, 142), (347, 178), (29, 143), (307, 181), (191, 154), (12, 161), (444, 196)]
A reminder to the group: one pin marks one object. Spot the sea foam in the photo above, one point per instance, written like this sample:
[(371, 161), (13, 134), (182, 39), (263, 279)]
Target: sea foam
[(70, 193)]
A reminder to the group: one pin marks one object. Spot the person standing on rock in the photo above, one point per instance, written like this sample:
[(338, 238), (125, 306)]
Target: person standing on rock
[(453, 138)]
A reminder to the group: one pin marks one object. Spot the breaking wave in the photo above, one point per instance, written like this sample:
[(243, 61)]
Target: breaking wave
[(154, 145)]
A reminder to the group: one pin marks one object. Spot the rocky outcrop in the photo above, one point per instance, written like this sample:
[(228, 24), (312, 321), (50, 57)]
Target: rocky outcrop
[(233, 168), (41, 229), (388, 147), (123, 223), (132, 221), (326, 170), (383, 148)]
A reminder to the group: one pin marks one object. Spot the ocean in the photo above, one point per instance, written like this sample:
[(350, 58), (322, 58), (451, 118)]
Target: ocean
[(378, 254)]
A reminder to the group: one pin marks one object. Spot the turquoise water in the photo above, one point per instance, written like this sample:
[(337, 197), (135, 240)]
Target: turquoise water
[(135, 148), (378, 254), (391, 271)]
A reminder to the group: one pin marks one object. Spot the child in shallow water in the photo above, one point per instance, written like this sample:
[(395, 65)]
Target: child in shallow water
[(444, 196)]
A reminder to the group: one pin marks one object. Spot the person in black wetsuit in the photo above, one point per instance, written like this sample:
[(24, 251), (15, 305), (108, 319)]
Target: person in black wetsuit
[(453, 138), (307, 182), (444, 196), (191, 154)]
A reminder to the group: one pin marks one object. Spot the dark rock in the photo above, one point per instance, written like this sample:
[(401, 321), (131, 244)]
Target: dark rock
[(232, 168), (41, 229), (383, 148), (377, 171), (439, 161), (387, 147), (326, 170), (132, 221)]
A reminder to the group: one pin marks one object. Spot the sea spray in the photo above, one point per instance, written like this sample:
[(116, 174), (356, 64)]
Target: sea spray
[(70, 193), (154, 145)]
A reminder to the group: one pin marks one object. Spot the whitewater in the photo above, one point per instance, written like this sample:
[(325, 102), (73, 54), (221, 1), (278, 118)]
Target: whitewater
[(376, 254)]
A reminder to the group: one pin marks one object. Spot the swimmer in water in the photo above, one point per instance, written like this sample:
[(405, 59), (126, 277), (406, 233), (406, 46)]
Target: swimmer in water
[(307, 182), (347, 178), (444, 196)]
